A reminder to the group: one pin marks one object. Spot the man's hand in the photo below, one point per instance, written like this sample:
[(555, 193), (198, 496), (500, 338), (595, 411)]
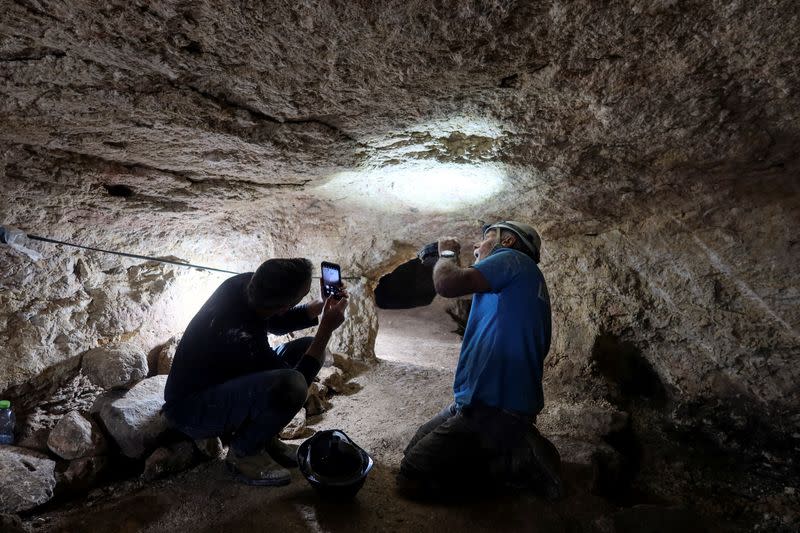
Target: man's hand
[(341, 292), (315, 307), (333, 313), (332, 317), (449, 243), (452, 281)]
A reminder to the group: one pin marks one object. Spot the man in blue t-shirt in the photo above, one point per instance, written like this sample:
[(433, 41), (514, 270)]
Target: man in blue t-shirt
[(487, 436)]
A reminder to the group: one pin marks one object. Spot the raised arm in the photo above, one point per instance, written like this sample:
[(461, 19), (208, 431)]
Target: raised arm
[(450, 279)]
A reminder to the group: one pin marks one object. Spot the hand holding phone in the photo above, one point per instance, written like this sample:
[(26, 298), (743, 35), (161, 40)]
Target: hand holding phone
[(333, 313)]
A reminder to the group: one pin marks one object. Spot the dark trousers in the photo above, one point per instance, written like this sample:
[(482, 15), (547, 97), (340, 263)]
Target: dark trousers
[(462, 447), (252, 408)]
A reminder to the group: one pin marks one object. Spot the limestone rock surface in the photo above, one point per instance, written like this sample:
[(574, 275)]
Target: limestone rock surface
[(317, 401), (669, 231), (168, 460), (167, 354), (83, 473), (598, 465), (211, 448), (133, 418), (356, 336), (115, 367), (27, 479), (44, 401), (586, 422), (74, 436), (296, 428)]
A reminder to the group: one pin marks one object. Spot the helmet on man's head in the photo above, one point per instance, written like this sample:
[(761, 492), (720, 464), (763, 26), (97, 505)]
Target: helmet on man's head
[(333, 464), (528, 236)]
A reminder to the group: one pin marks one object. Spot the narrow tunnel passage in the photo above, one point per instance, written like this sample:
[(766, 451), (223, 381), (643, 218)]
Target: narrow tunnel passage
[(422, 336)]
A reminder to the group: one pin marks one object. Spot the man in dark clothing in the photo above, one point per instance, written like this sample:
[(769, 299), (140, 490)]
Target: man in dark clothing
[(226, 380)]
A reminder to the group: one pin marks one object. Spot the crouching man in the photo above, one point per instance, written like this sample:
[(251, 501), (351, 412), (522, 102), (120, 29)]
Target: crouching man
[(226, 380), (487, 437)]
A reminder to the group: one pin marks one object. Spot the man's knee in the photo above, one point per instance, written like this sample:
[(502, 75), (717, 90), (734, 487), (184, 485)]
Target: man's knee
[(290, 388)]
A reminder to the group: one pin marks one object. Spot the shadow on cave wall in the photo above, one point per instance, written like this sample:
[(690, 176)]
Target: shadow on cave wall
[(623, 365), (634, 387)]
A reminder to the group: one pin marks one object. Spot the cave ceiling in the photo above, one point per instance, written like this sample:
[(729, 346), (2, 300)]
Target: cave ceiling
[(571, 113)]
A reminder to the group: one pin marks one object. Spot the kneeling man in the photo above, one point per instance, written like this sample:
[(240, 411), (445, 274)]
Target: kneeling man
[(226, 380), (487, 436)]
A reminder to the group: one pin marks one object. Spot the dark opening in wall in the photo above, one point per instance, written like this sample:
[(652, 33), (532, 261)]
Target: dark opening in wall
[(409, 285), (622, 363), (123, 191)]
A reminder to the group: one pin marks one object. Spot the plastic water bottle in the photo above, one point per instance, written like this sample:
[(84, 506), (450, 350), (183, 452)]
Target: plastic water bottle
[(7, 422)]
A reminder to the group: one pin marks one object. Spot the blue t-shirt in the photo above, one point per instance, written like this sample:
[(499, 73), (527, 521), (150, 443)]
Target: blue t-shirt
[(507, 336)]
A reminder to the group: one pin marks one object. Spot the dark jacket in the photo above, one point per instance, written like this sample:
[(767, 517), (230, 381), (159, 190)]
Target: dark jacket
[(226, 339)]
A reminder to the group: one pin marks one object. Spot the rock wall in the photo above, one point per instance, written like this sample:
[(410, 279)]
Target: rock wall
[(654, 144), (708, 308)]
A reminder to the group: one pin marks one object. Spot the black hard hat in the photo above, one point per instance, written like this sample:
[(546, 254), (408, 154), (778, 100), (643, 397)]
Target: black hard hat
[(333, 464)]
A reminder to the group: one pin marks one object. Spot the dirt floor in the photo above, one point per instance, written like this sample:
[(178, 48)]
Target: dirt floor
[(409, 385), (423, 337)]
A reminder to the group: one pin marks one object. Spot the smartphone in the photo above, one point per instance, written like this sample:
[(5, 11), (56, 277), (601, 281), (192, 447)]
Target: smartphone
[(331, 279)]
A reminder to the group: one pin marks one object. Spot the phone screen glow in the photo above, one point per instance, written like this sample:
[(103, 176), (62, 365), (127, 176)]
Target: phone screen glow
[(330, 275)]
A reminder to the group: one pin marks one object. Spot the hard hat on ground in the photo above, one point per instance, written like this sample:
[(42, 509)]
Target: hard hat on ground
[(333, 464)]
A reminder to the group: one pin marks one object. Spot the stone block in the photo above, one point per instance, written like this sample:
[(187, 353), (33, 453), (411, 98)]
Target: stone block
[(74, 436), (134, 418), (115, 367), (27, 479), (166, 355), (211, 448), (343, 362), (332, 378), (297, 429), (83, 473), (317, 401), (169, 460)]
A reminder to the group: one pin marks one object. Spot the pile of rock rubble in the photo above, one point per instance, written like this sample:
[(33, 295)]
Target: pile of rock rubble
[(124, 425)]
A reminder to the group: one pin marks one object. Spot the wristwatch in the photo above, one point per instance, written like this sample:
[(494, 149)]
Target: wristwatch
[(447, 254)]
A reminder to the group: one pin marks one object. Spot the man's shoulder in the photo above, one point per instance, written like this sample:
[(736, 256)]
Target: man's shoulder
[(513, 260), (239, 280), (510, 254), (234, 287), (227, 300)]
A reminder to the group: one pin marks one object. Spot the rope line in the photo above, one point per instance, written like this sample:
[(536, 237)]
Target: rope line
[(145, 257), (135, 256)]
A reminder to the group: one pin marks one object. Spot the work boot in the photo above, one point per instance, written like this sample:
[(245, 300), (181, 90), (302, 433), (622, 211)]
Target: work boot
[(284, 454), (546, 465), (258, 469)]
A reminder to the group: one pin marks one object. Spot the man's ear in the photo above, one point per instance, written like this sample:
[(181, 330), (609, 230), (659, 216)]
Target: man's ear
[(509, 241)]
